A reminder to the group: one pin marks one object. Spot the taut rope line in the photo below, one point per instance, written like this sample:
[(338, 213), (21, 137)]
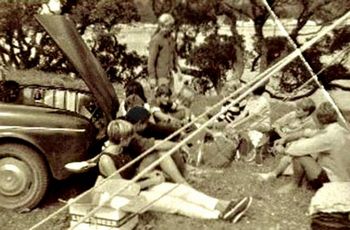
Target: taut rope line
[(307, 65), (264, 76)]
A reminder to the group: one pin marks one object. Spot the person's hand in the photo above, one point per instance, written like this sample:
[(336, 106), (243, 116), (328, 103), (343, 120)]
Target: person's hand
[(278, 149), (310, 132), (153, 82), (280, 141)]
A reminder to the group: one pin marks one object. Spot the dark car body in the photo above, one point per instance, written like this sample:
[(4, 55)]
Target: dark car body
[(37, 141), (60, 136)]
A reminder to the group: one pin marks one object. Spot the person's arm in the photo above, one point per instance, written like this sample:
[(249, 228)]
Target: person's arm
[(106, 165), (290, 137), (160, 116), (166, 145), (283, 121), (297, 135), (320, 142)]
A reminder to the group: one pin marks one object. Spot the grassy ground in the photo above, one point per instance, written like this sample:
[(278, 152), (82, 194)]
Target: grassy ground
[(269, 210)]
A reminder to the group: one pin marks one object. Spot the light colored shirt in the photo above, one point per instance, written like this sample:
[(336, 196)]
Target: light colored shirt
[(291, 123), (332, 148), (260, 107)]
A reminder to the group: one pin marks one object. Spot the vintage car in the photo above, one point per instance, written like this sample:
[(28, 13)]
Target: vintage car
[(37, 140)]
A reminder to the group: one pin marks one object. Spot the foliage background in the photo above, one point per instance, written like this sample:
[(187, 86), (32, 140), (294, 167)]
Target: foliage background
[(24, 45)]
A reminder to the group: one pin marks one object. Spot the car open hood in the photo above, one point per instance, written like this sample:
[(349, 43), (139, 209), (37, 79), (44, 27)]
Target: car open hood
[(64, 33)]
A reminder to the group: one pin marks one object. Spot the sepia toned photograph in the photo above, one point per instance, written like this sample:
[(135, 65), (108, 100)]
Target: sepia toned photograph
[(174, 114)]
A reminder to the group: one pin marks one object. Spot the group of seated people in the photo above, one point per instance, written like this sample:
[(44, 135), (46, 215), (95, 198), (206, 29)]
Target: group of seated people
[(310, 141), (142, 126)]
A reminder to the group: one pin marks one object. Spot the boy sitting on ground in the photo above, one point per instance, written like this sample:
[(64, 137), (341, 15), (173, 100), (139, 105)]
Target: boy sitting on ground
[(296, 120), (293, 125), (168, 111), (175, 198), (323, 157)]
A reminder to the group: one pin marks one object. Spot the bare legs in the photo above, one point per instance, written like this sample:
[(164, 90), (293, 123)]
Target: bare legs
[(280, 168), (167, 165), (303, 166)]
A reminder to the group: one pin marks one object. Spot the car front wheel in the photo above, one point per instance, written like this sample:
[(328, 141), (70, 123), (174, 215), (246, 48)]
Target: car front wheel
[(23, 177)]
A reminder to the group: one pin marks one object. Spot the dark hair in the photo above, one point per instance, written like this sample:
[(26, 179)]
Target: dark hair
[(326, 114), (137, 114), (133, 101), (135, 87), (10, 91), (259, 91), (307, 105), (163, 90)]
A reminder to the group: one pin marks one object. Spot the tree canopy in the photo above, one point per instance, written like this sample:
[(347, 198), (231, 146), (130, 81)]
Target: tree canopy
[(24, 44)]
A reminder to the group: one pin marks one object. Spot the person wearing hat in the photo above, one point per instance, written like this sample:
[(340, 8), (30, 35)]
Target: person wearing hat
[(162, 60)]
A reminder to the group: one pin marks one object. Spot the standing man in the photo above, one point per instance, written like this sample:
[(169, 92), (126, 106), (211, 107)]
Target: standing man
[(162, 61)]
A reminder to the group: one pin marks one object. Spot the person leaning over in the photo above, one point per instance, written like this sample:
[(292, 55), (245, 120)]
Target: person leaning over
[(175, 198), (174, 166)]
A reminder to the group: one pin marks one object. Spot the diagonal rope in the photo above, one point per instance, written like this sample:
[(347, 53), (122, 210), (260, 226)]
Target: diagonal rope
[(167, 154), (251, 89), (148, 205), (260, 79), (151, 149), (307, 65), (145, 207)]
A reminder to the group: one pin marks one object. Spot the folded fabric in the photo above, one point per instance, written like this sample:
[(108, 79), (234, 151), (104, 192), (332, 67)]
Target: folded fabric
[(332, 197)]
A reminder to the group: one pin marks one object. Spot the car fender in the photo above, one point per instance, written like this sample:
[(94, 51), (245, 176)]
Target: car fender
[(13, 137)]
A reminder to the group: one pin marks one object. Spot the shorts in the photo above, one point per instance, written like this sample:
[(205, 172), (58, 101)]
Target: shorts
[(320, 180)]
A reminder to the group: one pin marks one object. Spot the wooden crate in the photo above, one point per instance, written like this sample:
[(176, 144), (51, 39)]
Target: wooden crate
[(103, 219)]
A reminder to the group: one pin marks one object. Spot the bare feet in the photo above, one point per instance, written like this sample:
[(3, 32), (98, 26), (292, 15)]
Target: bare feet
[(265, 177), (287, 188)]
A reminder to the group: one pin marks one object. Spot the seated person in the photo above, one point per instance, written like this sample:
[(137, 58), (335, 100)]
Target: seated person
[(173, 166), (134, 95), (152, 129), (284, 165), (175, 198), (254, 123), (296, 120), (323, 157), (167, 110), (293, 125)]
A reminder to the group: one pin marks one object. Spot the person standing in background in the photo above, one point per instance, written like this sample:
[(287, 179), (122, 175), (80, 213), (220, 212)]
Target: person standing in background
[(162, 61)]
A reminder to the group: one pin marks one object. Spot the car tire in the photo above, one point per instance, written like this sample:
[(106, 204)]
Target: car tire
[(24, 177)]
